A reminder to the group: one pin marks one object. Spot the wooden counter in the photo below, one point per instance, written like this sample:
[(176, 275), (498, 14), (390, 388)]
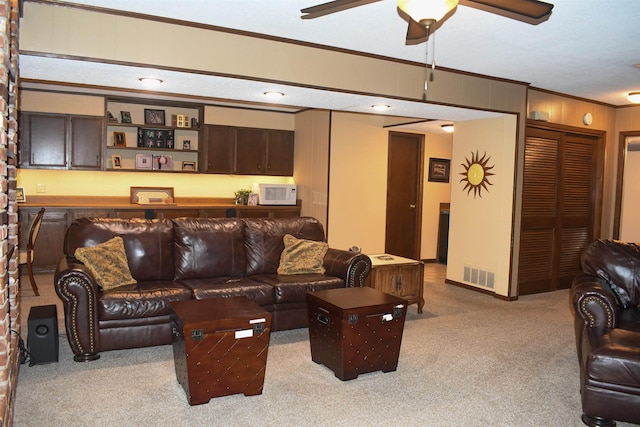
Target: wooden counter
[(61, 211)]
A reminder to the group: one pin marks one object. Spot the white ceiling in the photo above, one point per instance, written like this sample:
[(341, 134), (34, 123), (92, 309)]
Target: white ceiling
[(587, 48)]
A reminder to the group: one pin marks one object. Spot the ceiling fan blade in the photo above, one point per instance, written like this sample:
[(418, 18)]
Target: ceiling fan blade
[(415, 31), (532, 9), (332, 7)]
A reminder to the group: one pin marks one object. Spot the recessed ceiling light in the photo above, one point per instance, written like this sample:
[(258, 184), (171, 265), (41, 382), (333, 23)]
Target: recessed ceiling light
[(634, 97), (274, 95), (447, 128), (150, 81), (380, 107)]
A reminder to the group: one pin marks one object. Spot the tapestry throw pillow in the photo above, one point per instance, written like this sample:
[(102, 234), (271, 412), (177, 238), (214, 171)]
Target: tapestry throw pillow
[(302, 256), (108, 263)]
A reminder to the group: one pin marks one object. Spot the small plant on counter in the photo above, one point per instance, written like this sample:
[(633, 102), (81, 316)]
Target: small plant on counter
[(242, 196)]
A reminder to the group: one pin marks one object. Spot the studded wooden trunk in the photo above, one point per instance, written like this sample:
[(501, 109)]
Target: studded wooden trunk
[(355, 330), (220, 347)]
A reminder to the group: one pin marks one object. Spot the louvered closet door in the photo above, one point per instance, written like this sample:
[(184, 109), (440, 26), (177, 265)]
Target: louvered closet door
[(557, 208)]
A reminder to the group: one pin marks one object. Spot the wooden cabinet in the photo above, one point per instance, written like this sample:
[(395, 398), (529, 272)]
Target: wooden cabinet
[(86, 142), (264, 152), (59, 141), (250, 151), (218, 149), (247, 151), (279, 152), (401, 277)]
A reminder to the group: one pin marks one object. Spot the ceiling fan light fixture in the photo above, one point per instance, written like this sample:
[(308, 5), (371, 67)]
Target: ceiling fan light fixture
[(634, 97), (150, 81), (427, 12), (274, 95), (447, 128)]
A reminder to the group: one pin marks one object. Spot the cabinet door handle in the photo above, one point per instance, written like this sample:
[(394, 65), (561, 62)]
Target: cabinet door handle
[(412, 206)]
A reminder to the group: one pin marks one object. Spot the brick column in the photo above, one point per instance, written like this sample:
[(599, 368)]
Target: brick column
[(9, 273)]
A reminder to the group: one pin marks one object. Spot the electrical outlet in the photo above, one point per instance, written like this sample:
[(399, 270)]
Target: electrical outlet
[(41, 188)]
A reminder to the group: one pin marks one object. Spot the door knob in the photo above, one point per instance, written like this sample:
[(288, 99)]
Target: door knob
[(412, 206)]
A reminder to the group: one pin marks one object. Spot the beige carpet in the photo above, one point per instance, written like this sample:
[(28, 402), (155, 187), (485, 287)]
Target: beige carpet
[(468, 360)]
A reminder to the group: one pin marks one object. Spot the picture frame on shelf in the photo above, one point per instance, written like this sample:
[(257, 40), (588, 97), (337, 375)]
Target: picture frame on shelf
[(20, 196), (154, 117), (439, 169), (111, 118), (116, 161), (144, 161), (119, 139), (125, 116), (188, 166), (151, 195), (253, 199), (162, 162), (186, 144)]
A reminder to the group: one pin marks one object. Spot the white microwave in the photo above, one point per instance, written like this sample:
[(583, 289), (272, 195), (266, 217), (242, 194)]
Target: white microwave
[(275, 194)]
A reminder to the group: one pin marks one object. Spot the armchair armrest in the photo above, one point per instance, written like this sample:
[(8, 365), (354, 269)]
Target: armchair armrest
[(353, 267), (594, 302), (79, 293)]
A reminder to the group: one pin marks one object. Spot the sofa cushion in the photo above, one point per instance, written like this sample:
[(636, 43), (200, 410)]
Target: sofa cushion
[(615, 358), (293, 288), (107, 262), (208, 247), (141, 300), (618, 264), (302, 256), (148, 243), (224, 287), (264, 240)]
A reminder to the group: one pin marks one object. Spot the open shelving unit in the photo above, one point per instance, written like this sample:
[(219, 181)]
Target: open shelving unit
[(152, 141)]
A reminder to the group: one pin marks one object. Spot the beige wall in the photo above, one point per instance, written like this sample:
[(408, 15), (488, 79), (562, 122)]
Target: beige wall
[(357, 182), (107, 37), (480, 227), (311, 162), (629, 224)]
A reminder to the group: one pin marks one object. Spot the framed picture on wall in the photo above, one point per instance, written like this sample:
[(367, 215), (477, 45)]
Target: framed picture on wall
[(117, 161), (439, 169)]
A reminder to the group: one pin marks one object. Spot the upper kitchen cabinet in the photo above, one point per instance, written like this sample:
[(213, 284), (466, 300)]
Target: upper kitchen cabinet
[(60, 141), (247, 151), (218, 149)]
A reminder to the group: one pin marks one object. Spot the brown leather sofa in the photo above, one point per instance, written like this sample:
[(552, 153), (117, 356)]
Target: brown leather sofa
[(189, 258), (606, 299)]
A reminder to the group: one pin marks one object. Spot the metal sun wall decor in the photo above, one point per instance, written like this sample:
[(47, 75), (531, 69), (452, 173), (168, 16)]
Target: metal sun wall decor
[(476, 173)]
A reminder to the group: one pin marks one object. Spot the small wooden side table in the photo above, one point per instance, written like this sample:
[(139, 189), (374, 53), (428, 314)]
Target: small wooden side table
[(398, 276), (353, 331), (220, 347)]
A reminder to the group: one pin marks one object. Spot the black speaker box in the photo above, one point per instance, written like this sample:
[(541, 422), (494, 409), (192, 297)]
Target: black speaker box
[(42, 340)]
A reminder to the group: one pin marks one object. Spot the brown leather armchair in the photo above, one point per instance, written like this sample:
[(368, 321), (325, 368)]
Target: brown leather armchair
[(606, 300)]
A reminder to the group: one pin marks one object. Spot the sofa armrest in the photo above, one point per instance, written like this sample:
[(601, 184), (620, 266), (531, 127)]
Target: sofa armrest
[(594, 302), (79, 293), (352, 267)]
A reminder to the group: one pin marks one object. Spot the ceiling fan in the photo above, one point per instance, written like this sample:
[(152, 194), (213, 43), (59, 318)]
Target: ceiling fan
[(422, 15)]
